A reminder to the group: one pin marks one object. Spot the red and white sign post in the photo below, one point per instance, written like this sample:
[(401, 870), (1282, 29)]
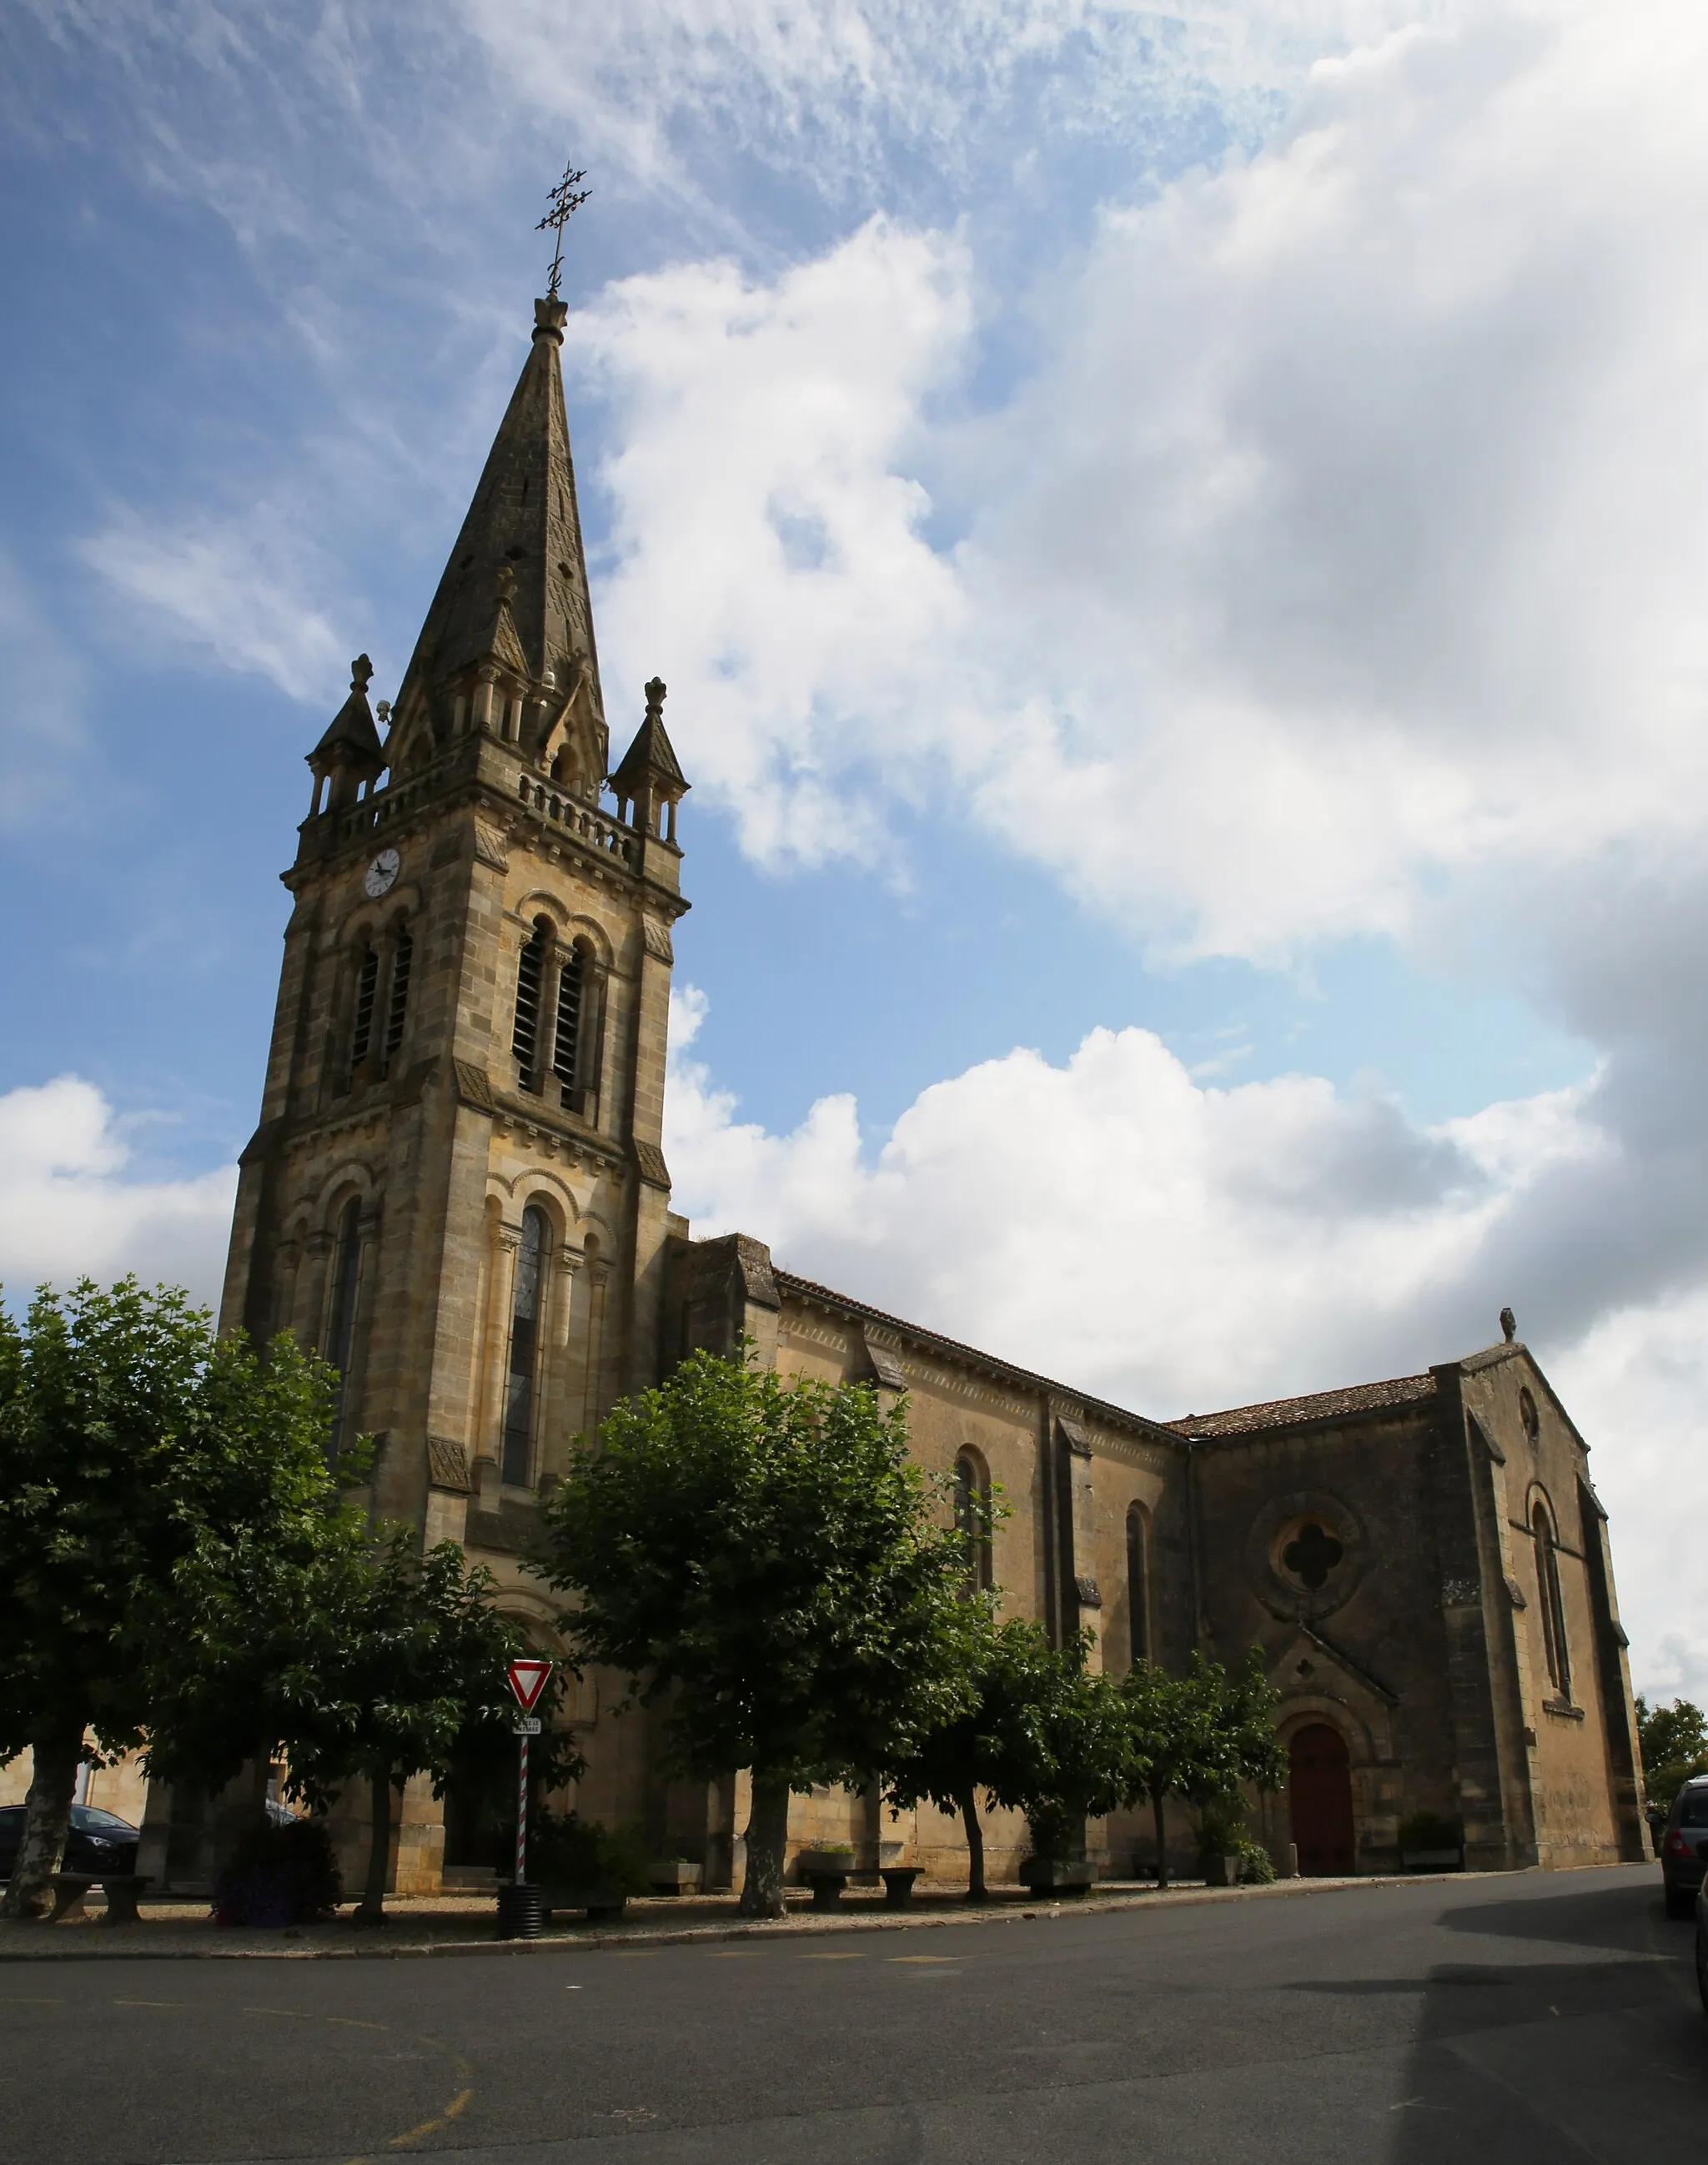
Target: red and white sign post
[(528, 1678)]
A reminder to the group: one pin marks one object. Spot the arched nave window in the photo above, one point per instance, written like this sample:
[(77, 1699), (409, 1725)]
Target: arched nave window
[(525, 1347)]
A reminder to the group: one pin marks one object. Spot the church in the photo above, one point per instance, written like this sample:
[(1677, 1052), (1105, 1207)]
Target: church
[(457, 1194)]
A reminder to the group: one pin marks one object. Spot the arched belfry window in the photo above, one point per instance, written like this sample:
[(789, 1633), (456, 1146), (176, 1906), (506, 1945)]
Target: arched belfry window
[(565, 1042), (368, 978), (1554, 1607), (340, 1331), (524, 1347), (397, 1003), (973, 1519), (1139, 1581), (531, 992)]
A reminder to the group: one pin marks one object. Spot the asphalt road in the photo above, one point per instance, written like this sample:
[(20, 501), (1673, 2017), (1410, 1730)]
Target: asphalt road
[(1550, 2017)]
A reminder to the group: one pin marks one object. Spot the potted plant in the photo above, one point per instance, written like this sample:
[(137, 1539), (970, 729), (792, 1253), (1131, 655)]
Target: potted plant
[(1428, 1843), (581, 1864), (1050, 1869)]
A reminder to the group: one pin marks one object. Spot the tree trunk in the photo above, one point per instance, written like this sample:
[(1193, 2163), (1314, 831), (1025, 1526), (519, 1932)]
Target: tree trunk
[(379, 1855), (53, 1782), (768, 1838), (1162, 1839), (975, 1844)]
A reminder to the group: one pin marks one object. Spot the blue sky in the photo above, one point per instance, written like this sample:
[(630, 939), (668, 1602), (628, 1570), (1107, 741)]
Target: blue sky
[(1176, 539)]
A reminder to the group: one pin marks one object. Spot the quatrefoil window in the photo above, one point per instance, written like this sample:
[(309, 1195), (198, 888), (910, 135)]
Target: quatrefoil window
[(1311, 1554)]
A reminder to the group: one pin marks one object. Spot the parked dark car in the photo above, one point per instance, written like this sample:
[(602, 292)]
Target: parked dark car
[(1684, 1847), (1702, 1944), (98, 1843)]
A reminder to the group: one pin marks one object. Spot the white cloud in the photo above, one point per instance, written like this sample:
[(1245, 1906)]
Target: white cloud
[(70, 1206), (1178, 1248), (236, 586), (757, 488), (1345, 542)]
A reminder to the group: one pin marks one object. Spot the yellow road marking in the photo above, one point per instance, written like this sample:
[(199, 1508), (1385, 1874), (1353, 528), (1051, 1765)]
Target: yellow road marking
[(151, 2003), (292, 2014), (343, 2021), (728, 1954), (17, 2000), (842, 1958), (922, 1958), (456, 2107)]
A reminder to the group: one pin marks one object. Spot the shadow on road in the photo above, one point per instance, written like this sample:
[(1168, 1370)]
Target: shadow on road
[(1603, 2054)]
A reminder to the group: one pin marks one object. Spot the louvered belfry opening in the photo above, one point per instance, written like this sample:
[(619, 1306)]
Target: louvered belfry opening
[(367, 980), (530, 986), (403, 956), (567, 1036)]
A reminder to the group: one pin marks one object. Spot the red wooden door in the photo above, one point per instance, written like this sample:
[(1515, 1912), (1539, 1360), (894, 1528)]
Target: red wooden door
[(1319, 1797)]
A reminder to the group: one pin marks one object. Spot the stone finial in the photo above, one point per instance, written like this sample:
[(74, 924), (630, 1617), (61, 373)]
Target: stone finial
[(361, 671), (1508, 1324), (655, 700), (507, 582)]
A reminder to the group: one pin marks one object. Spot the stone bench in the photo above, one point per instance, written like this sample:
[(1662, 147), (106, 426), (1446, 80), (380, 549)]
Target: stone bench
[(121, 1889)]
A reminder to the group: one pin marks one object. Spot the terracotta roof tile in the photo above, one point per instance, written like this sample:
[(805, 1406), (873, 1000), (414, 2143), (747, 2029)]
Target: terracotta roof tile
[(1319, 1406)]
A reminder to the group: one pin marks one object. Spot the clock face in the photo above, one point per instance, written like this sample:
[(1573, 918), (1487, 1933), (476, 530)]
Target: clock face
[(382, 872)]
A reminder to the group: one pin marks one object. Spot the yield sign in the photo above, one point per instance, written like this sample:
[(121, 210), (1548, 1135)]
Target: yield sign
[(527, 1680)]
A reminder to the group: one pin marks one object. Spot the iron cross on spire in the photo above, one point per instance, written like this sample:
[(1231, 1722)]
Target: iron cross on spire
[(566, 199)]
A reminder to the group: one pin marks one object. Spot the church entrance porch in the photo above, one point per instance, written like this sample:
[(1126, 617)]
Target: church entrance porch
[(1320, 1800)]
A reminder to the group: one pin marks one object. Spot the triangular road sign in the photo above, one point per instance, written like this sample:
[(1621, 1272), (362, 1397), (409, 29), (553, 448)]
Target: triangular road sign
[(528, 1680)]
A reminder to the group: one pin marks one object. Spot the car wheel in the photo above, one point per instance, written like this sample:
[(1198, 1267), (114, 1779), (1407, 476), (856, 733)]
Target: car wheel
[(1681, 1903)]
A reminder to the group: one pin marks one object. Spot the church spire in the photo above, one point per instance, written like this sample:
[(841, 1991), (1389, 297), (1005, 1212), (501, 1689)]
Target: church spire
[(524, 521)]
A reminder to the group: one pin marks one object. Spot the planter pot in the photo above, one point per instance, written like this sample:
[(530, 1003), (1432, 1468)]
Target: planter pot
[(899, 1884), (1221, 1870), (600, 1902), (889, 1852), (675, 1877), (1045, 1876), (837, 1863), (1433, 1860)]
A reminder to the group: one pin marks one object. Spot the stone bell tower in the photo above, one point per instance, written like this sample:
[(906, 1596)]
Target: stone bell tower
[(457, 1193)]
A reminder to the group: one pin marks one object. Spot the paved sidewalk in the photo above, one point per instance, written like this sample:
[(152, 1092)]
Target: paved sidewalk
[(421, 1925)]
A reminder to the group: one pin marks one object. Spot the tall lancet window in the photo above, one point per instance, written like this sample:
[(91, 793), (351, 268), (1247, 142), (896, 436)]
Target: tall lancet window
[(531, 985), (973, 1520), (403, 955), (567, 1039), (340, 1333), (1553, 1606), (525, 1347), (1139, 1583)]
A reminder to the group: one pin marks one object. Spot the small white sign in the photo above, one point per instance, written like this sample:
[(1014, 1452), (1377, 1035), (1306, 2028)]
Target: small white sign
[(531, 1727)]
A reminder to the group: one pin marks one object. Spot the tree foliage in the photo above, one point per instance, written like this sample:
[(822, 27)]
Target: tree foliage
[(767, 1564), (129, 1440), (1674, 1744)]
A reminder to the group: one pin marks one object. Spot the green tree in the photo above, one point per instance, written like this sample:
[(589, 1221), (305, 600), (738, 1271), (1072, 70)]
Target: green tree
[(1674, 1744), (994, 1742), (765, 1563), (1202, 1736), (366, 1661), (128, 1435)]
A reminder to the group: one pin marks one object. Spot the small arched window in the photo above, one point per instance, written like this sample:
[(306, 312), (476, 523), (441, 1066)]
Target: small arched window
[(368, 978), (973, 1520), (525, 1347), (403, 956), (1554, 1607), (340, 1333), (1139, 1583)]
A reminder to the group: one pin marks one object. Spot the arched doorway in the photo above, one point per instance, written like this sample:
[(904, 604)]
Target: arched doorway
[(1320, 1800)]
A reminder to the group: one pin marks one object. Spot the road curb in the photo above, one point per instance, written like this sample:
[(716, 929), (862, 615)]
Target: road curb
[(592, 1940)]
